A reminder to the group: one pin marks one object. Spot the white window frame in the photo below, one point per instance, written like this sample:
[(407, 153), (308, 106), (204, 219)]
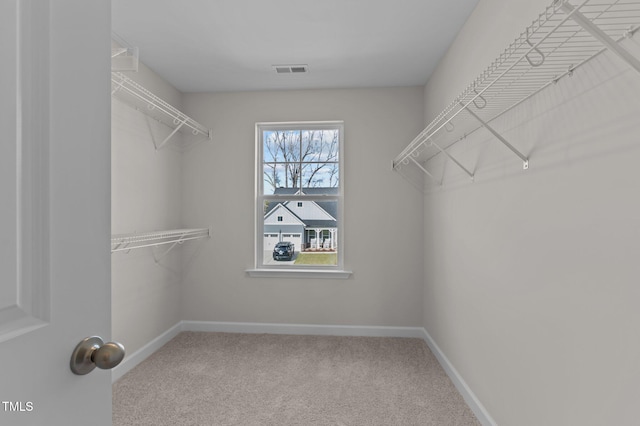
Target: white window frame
[(261, 269)]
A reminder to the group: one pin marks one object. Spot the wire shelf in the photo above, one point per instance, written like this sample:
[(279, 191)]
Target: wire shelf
[(142, 99), (124, 59), (561, 39), (126, 242)]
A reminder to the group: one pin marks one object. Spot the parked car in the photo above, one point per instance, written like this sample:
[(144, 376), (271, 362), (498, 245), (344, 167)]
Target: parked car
[(283, 251)]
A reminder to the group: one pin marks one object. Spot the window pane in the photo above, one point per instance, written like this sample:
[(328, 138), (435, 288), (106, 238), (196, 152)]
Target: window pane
[(270, 147), (281, 178), (281, 145), (274, 176), (303, 161), (297, 234), (320, 175), (320, 145)]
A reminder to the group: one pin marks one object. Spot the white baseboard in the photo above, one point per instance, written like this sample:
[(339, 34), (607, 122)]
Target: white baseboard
[(303, 329), (143, 353), (470, 398)]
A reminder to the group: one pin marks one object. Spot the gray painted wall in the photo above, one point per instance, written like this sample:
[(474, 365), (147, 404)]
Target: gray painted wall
[(145, 192), (383, 215), (531, 277)]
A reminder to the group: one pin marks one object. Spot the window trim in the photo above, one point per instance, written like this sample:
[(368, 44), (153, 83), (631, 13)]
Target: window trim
[(298, 271)]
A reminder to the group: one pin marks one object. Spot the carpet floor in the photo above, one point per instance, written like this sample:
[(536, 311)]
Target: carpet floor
[(264, 379)]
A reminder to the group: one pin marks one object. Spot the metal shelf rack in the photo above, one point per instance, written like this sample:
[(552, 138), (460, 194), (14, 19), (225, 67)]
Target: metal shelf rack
[(562, 38), (124, 59), (174, 237), (143, 100)]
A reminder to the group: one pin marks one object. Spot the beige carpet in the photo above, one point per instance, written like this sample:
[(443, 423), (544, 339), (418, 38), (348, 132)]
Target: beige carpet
[(262, 379)]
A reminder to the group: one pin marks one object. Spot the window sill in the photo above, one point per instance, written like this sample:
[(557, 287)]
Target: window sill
[(300, 273)]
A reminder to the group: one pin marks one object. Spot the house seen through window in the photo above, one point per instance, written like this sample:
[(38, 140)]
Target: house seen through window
[(299, 195)]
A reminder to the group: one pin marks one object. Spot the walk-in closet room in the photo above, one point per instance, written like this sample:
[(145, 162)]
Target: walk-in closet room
[(339, 212)]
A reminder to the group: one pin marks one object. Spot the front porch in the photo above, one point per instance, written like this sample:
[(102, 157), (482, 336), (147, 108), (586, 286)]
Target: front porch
[(320, 240)]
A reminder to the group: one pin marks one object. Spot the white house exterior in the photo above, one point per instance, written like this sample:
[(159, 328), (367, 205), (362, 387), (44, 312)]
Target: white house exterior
[(309, 225), (281, 224)]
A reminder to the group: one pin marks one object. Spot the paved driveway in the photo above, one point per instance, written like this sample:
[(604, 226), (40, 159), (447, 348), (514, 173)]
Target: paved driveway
[(267, 258)]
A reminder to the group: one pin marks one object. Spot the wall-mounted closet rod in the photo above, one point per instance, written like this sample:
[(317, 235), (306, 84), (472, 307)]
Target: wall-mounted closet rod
[(422, 137), (121, 82), (128, 248), (561, 39), (600, 35), (154, 102), (554, 80), (126, 242), (535, 89)]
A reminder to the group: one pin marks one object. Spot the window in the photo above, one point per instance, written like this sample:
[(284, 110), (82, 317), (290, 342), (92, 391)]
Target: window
[(299, 195)]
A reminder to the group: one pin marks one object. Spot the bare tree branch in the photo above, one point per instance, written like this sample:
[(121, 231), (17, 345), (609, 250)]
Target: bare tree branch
[(306, 157)]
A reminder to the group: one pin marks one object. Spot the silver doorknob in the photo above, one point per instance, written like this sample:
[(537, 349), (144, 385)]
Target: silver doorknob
[(92, 352)]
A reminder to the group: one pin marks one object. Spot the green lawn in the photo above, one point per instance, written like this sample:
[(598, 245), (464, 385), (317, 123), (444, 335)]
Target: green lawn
[(317, 259)]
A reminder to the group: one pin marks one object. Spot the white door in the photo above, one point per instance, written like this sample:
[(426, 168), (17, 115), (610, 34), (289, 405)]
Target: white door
[(54, 208)]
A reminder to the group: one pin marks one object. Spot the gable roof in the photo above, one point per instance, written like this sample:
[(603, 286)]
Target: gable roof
[(330, 208), (280, 206)]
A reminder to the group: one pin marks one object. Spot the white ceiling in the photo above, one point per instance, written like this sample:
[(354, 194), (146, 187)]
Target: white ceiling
[(231, 45)]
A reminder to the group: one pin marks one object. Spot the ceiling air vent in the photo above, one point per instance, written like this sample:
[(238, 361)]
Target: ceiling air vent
[(290, 69)]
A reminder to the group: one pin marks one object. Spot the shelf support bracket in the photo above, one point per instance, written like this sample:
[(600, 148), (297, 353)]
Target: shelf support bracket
[(120, 246), (159, 147), (157, 259), (525, 160), (118, 51), (425, 170), (600, 35), (118, 87), (453, 159)]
